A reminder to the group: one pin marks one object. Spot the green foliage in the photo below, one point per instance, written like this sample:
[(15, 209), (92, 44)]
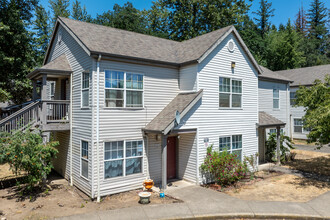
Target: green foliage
[(271, 145), (123, 17), (60, 8), (264, 13), (80, 13), (16, 48), (224, 167), (316, 100), (25, 151)]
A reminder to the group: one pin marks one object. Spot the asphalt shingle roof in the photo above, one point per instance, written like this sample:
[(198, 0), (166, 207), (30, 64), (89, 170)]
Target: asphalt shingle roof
[(268, 74), (112, 41), (167, 115), (307, 75), (266, 120)]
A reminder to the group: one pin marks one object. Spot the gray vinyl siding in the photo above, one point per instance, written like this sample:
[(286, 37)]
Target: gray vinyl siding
[(213, 122), (155, 158), (187, 152), (160, 87), (297, 113), (81, 121), (188, 78), (62, 161), (265, 91)]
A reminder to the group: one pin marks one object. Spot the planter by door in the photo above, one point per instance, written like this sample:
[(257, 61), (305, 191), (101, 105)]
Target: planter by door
[(171, 157)]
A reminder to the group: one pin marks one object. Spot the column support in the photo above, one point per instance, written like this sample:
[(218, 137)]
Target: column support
[(278, 144), (34, 91), (44, 97), (164, 161)]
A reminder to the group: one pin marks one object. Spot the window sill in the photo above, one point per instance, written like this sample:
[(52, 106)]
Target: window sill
[(276, 109), (85, 108), (119, 178), (81, 176), (222, 108), (123, 108)]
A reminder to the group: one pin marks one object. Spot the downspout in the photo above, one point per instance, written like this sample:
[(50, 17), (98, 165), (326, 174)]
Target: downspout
[(98, 125), (197, 157), (71, 151), (92, 136)]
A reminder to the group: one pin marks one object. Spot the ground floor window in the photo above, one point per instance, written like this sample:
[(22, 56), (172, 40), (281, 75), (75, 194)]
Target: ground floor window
[(84, 159), (298, 126), (122, 158), (232, 144), (273, 131)]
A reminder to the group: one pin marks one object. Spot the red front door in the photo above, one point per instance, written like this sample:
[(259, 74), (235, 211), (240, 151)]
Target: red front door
[(171, 157)]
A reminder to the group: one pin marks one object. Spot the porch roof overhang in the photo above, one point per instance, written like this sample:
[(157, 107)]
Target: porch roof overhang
[(269, 121), (165, 122), (58, 67)]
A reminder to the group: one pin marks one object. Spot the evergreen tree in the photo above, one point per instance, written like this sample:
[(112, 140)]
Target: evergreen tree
[(42, 29), (16, 52), (264, 13), (301, 21), (60, 8), (80, 13), (125, 17)]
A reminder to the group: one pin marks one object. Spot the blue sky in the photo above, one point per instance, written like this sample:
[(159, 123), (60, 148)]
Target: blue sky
[(284, 9)]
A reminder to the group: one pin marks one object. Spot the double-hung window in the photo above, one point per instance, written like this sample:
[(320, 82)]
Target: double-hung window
[(230, 93), (122, 158), (85, 89), (232, 144), (123, 89), (298, 126), (292, 98), (84, 159), (276, 99)]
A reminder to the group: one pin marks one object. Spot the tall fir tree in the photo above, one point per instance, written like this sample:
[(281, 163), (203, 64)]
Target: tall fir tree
[(301, 21), (16, 51), (41, 26), (79, 13), (264, 13), (59, 8)]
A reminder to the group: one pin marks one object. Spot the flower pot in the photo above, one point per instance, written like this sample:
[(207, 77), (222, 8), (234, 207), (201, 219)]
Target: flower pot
[(148, 184), (144, 197)]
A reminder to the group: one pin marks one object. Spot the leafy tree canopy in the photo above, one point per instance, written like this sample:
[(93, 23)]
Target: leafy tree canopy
[(316, 100)]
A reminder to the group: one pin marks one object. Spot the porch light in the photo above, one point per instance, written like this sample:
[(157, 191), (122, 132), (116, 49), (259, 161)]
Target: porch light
[(232, 65)]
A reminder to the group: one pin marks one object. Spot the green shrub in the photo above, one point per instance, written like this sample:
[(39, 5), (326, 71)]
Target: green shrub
[(285, 147), (224, 167), (25, 151)]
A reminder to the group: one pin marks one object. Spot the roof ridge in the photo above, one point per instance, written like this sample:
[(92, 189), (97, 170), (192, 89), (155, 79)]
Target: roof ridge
[(104, 26)]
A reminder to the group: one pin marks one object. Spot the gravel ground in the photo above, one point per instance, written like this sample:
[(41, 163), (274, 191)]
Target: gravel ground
[(324, 149)]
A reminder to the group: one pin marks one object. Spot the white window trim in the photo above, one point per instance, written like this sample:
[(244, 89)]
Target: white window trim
[(124, 89), (303, 131), (231, 143), (230, 94), (81, 158), (279, 104), (124, 158), (85, 89)]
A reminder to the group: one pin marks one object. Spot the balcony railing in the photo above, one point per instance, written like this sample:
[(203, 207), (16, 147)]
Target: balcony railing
[(58, 111)]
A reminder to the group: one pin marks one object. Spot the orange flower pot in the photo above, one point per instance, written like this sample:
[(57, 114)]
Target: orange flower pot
[(148, 184)]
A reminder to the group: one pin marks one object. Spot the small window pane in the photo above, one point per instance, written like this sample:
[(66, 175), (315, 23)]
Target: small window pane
[(85, 80), (133, 165), (113, 168), (114, 98), (134, 81), (237, 142), (224, 84), (114, 79), (85, 98), (84, 168), (84, 149), (236, 86), (276, 103), (236, 101), (224, 143), (238, 154), (276, 93), (134, 99), (224, 100)]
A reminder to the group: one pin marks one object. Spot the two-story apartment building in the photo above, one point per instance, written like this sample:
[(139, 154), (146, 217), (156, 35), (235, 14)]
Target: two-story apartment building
[(301, 77), (126, 106)]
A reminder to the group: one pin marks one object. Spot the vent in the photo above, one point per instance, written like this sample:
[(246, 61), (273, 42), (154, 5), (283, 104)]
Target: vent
[(59, 38), (231, 46)]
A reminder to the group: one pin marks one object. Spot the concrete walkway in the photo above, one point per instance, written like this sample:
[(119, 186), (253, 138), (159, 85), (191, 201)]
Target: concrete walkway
[(202, 203)]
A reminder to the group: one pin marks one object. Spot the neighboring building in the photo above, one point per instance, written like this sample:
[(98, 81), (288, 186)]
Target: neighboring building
[(302, 77), (127, 106), (274, 99)]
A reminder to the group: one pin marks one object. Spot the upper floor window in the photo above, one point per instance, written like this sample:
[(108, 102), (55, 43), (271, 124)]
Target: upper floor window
[(230, 93), (123, 89), (232, 144), (276, 99), (85, 89), (292, 98)]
